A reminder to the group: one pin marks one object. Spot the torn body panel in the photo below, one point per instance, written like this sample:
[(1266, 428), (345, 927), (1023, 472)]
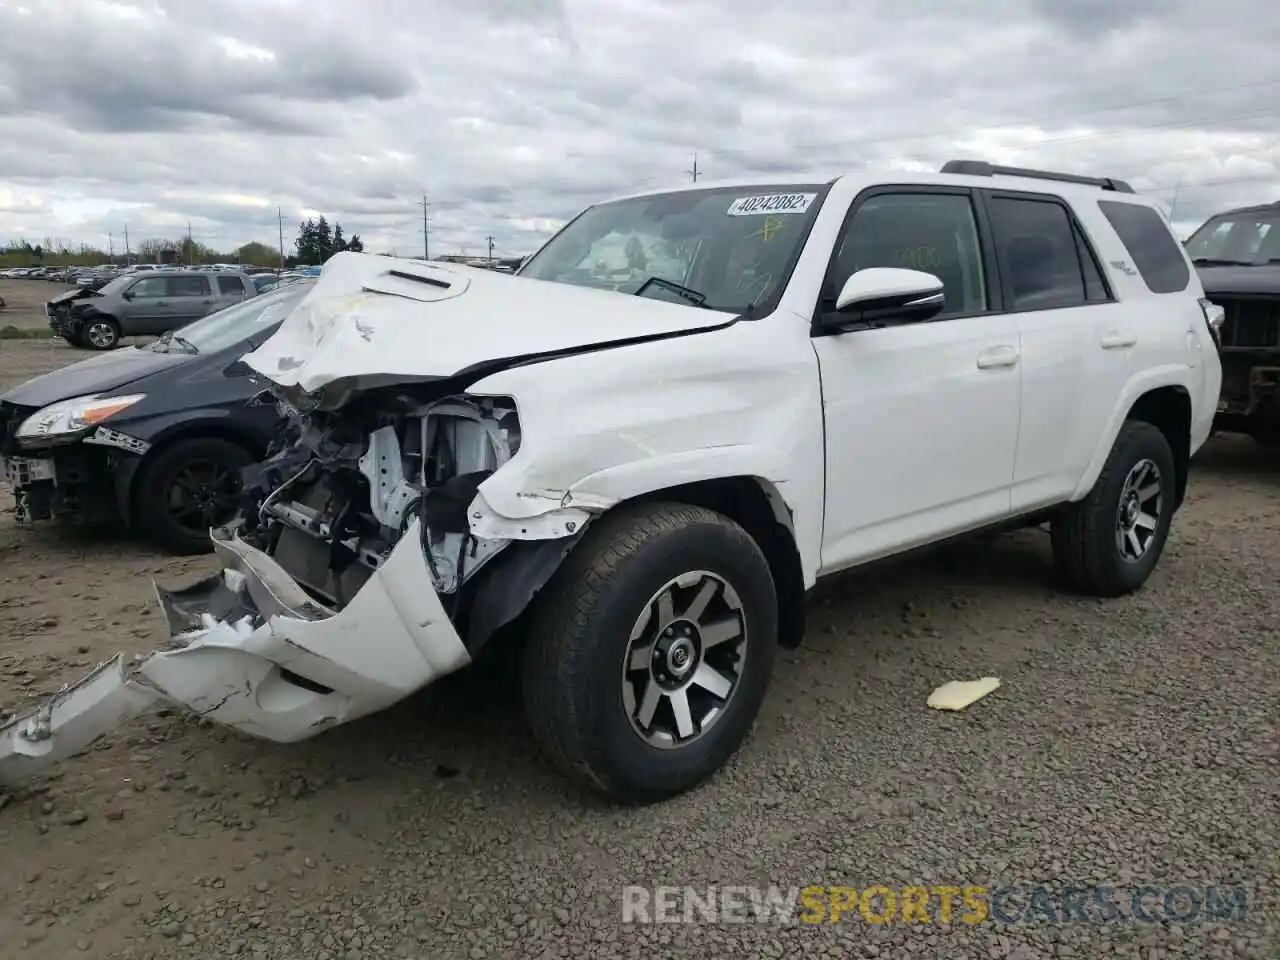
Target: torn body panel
[(272, 662), (331, 603)]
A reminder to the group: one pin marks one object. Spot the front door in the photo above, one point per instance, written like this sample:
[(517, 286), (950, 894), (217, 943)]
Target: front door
[(922, 418), (145, 307)]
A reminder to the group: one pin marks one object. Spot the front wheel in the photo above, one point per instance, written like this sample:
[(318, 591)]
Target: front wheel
[(99, 333), (651, 651), (188, 488), (1108, 544)]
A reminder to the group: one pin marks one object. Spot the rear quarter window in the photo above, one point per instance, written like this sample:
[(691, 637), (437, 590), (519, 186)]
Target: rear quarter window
[(1147, 238)]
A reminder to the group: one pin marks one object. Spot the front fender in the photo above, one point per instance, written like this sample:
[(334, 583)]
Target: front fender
[(1153, 378), (605, 428)]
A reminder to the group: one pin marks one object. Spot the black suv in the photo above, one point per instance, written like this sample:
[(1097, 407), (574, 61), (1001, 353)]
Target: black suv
[(1237, 254)]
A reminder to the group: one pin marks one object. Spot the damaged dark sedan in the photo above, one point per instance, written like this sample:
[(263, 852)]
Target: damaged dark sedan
[(1237, 254), (154, 435)]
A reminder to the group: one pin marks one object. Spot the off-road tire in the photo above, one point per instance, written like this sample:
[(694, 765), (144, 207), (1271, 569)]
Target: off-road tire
[(152, 516), (579, 634), (1085, 553)]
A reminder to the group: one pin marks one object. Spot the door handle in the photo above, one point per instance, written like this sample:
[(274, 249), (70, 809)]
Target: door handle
[(1118, 341), (206, 301), (162, 303), (997, 357)]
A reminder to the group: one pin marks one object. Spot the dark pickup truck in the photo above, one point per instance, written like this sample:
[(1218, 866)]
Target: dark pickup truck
[(1237, 254)]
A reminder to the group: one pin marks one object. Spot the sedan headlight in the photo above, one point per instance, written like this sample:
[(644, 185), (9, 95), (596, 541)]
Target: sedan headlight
[(73, 416)]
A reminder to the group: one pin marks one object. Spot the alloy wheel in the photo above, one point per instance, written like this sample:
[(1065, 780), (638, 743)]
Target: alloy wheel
[(684, 659), (1138, 513)]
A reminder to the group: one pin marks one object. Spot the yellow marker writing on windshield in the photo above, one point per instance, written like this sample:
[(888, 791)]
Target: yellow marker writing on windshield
[(770, 226)]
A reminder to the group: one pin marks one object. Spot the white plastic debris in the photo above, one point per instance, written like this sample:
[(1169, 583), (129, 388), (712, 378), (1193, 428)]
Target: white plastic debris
[(959, 694)]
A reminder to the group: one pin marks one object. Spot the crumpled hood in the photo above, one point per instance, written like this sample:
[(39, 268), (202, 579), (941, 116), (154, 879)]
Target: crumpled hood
[(79, 293), (374, 320)]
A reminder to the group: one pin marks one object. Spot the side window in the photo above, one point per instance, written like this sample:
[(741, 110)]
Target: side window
[(1155, 252), (148, 287), (933, 232), (188, 286), (1095, 284), (231, 285), (1038, 253)]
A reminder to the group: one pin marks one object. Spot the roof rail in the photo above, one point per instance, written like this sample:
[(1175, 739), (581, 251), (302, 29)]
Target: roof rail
[(980, 168)]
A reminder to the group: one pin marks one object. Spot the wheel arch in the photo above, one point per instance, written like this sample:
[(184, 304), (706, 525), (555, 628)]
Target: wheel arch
[(128, 485), (499, 597), (1168, 409), (1162, 398)]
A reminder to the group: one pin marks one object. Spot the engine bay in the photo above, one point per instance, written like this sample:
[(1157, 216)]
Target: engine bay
[(339, 489)]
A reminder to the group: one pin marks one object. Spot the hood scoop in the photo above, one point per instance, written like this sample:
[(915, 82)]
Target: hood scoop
[(425, 286)]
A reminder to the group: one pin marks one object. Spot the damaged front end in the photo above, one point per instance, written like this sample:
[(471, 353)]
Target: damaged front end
[(344, 584)]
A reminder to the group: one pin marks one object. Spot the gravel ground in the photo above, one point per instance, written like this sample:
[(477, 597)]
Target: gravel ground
[(1133, 742), (24, 302)]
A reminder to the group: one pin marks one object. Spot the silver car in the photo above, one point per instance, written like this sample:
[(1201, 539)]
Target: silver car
[(143, 304)]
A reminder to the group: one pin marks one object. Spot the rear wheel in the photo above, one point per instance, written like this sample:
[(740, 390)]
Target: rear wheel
[(650, 653), (1109, 543), (99, 333), (188, 488)]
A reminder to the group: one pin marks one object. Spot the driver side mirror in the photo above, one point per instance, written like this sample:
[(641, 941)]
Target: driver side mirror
[(128, 294), (884, 296)]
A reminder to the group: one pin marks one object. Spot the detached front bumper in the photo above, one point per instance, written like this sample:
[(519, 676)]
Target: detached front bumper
[(251, 650)]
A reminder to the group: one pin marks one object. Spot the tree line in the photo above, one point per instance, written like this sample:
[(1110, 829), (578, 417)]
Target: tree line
[(315, 243)]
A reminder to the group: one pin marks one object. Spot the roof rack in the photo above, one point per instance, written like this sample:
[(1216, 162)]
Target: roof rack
[(980, 168)]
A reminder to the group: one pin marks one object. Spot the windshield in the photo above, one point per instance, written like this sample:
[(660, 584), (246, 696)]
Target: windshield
[(1243, 238), (735, 246), (228, 327)]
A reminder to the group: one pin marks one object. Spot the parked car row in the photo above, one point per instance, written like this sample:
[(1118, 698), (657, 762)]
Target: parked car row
[(184, 417), (641, 454), (84, 276)]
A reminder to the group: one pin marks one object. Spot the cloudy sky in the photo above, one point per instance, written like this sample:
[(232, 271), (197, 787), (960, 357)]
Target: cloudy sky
[(511, 115)]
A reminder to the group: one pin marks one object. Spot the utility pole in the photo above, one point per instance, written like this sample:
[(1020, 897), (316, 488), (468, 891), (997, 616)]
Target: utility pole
[(280, 227), (490, 239), (111, 248), (128, 257), (191, 248), (694, 171), (426, 228)]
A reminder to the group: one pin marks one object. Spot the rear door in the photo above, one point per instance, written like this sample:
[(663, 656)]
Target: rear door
[(1076, 340), (190, 296), (230, 290)]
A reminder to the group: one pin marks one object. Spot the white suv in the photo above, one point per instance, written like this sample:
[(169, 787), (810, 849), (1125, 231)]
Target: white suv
[(644, 449)]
